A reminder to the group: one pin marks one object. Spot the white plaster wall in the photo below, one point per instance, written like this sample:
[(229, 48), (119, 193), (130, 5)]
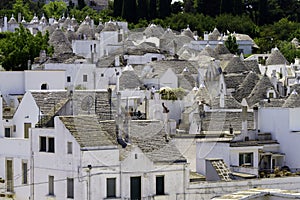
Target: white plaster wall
[(76, 72), (207, 149), (279, 126), (11, 83), (234, 158), (294, 119), (143, 167), (107, 38), (156, 110), (142, 59), (83, 48), (187, 148), (17, 155), (27, 112), (54, 79), (98, 78), (59, 164)]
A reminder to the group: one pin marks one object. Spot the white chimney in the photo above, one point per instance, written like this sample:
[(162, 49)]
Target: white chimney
[(205, 36), (117, 61), (244, 116), (5, 24)]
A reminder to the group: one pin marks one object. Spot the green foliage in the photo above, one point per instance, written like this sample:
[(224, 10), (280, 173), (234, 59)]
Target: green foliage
[(172, 93), (289, 50), (231, 44), (20, 7), (55, 9), (271, 35), (19, 47), (240, 24)]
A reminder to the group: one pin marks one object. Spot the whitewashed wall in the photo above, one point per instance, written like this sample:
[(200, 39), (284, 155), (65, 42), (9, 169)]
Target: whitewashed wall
[(211, 149)]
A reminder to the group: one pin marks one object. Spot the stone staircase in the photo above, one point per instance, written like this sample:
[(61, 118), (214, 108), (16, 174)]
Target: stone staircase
[(222, 170)]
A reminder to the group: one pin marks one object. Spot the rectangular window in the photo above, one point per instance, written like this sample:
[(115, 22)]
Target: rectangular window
[(70, 188), (69, 148), (85, 78), (111, 187), (51, 185), (24, 172), (160, 185), (51, 145), (26, 129), (47, 144), (9, 176), (246, 159), (7, 131), (43, 144), (68, 79)]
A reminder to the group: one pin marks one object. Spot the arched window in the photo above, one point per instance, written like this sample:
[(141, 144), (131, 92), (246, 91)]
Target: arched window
[(44, 86)]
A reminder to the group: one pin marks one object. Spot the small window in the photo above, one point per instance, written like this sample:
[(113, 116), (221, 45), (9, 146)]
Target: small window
[(154, 59), (69, 148), (85, 78), (7, 131), (246, 159), (68, 79), (271, 95), (44, 86), (26, 129), (47, 144), (43, 144), (51, 185), (160, 185), (70, 188), (111, 187), (51, 145), (9, 176), (24, 172)]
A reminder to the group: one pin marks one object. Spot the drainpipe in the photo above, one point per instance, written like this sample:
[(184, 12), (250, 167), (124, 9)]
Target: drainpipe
[(89, 181), (184, 181), (32, 168)]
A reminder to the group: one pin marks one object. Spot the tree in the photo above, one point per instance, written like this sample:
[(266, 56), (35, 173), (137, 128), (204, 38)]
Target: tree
[(164, 8), (55, 9), (20, 7), (152, 9), (231, 44), (129, 10), (142, 9), (118, 7), (81, 4), (176, 7), (289, 51), (19, 47)]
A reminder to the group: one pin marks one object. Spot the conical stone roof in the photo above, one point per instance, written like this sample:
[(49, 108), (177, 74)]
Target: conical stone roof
[(214, 35), (246, 87), (60, 42), (293, 101), (259, 92), (276, 58), (235, 65), (221, 49)]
